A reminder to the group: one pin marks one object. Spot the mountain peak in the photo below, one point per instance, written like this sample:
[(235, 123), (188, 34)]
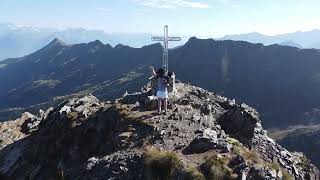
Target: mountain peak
[(55, 43), (120, 46), (96, 43), (103, 136), (194, 41)]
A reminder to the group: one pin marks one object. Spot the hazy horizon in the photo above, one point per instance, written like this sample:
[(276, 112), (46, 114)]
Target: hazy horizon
[(205, 18), (55, 29)]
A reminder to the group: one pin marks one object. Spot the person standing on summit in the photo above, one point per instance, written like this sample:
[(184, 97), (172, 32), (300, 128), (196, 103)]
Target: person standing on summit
[(162, 91)]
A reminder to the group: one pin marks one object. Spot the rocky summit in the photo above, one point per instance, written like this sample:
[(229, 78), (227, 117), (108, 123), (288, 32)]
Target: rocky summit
[(202, 136)]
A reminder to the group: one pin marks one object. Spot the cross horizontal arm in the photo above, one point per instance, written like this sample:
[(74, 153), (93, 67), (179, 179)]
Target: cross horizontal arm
[(157, 38)]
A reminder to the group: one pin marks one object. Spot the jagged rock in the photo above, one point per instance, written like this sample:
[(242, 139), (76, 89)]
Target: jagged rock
[(256, 173), (196, 117), (240, 123), (65, 109), (207, 121), (92, 162), (236, 161), (206, 109), (150, 102), (232, 102), (175, 116), (224, 146), (204, 142), (45, 114), (84, 138), (125, 94), (241, 168), (30, 124)]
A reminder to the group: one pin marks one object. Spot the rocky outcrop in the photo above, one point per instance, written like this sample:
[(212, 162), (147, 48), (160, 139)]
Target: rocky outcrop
[(85, 138), (241, 121)]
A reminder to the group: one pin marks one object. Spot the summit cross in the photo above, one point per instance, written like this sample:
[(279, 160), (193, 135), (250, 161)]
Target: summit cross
[(165, 39)]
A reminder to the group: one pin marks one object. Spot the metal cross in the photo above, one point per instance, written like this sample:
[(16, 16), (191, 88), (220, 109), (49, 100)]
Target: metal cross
[(165, 40)]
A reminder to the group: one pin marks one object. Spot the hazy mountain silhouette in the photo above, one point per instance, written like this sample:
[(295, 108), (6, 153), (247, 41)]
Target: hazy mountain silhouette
[(17, 41), (281, 82), (307, 39)]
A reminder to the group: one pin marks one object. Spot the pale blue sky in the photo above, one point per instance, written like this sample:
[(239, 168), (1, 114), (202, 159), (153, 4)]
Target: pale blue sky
[(185, 17)]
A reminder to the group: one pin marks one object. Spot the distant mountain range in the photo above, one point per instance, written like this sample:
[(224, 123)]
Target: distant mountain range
[(282, 82), (307, 39), (17, 41)]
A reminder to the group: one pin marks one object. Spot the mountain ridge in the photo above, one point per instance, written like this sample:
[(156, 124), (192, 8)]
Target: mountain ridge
[(89, 64), (300, 39), (85, 138), (17, 41)]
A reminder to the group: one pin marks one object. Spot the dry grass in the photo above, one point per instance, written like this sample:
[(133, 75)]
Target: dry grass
[(233, 141), (236, 150), (215, 168), (72, 116), (236, 145), (286, 175), (193, 174), (251, 155), (275, 166), (305, 163), (160, 165), (123, 111), (132, 117)]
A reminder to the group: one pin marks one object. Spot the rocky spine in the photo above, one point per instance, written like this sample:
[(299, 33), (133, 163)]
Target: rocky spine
[(203, 136)]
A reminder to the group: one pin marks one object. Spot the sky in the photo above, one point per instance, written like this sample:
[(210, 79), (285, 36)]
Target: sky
[(207, 18)]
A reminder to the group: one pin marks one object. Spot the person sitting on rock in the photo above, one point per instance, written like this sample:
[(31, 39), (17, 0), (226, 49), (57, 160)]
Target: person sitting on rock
[(162, 91)]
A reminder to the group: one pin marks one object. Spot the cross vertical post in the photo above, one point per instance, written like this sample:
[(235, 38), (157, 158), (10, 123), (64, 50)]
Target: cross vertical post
[(165, 39)]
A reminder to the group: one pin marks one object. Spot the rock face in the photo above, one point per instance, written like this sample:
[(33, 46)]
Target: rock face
[(89, 139)]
